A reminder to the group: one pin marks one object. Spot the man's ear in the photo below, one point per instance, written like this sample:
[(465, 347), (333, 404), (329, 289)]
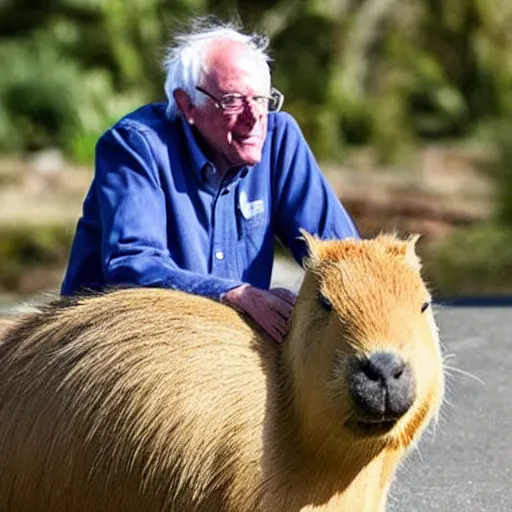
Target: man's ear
[(185, 105)]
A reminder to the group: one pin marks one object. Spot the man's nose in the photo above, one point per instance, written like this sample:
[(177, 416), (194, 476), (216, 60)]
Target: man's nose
[(250, 114)]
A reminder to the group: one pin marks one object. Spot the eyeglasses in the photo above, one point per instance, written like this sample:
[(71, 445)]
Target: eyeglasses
[(234, 103)]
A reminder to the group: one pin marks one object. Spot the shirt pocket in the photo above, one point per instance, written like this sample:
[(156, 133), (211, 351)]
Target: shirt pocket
[(254, 233), (252, 226), (251, 216)]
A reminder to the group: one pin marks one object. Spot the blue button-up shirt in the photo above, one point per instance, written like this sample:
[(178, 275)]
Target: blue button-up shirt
[(153, 216)]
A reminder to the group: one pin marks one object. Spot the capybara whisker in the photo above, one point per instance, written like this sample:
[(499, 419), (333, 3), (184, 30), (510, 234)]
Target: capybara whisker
[(450, 370)]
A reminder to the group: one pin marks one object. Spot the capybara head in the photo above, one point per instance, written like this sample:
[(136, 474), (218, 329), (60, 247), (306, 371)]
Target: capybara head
[(364, 346)]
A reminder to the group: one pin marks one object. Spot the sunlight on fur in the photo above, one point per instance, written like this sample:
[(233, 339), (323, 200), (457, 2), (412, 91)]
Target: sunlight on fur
[(155, 400)]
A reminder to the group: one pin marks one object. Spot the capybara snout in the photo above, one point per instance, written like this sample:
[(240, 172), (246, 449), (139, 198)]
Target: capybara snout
[(382, 386)]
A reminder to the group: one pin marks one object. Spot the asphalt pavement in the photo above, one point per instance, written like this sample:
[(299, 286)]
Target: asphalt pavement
[(465, 463)]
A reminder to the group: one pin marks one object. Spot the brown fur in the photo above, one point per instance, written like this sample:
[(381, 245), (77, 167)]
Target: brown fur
[(5, 323), (154, 400)]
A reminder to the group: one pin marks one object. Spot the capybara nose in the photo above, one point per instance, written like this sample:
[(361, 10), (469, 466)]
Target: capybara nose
[(382, 386)]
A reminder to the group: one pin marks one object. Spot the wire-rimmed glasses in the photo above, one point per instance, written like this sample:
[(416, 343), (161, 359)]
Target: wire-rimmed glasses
[(234, 103)]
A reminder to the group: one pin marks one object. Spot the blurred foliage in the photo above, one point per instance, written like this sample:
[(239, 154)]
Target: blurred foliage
[(70, 68), (500, 168), (475, 261), (382, 73), (25, 248), (478, 260), (376, 72)]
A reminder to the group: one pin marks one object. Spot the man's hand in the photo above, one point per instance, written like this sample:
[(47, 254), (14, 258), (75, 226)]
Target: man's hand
[(270, 309)]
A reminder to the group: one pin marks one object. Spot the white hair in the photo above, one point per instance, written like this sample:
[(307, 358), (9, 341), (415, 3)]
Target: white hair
[(184, 61)]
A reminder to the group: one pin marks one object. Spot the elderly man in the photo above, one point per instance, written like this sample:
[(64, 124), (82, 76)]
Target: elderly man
[(190, 194)]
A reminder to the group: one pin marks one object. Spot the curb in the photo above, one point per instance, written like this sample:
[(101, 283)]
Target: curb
[(481, 302)]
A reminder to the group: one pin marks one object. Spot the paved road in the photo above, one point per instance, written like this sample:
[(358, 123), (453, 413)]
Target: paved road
[(466, 466)]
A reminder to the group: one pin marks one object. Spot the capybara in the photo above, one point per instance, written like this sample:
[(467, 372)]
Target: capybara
[(146, 400)]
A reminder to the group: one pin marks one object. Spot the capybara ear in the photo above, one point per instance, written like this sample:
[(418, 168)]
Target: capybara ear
[(327, 250), (411, 257), (405, 249), (312, 244)]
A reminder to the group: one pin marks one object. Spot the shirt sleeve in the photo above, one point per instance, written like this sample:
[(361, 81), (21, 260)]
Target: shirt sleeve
[(133, 217), (304, 198)]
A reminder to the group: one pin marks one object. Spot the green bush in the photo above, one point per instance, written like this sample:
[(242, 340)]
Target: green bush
[(388, 75), (474, 261), (48, 100), (500, 169), (38, 95), (25, 248)]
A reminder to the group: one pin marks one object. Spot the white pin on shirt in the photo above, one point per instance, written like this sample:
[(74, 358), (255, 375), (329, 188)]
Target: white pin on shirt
[(250, 209)]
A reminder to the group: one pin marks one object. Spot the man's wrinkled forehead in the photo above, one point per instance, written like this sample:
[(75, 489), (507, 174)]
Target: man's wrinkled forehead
[(231, 64)]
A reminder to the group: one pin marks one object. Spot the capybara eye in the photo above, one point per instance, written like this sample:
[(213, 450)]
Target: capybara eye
[(425, 306), (324, 302)]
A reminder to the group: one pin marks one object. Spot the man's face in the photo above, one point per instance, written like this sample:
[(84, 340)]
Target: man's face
[(234, 139)]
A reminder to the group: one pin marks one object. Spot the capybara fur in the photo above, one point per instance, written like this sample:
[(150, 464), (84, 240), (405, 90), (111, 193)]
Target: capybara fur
[(151, 400), (5, 323)]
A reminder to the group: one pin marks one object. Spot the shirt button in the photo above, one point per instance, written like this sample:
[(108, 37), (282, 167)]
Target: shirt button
[(219, 255)]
